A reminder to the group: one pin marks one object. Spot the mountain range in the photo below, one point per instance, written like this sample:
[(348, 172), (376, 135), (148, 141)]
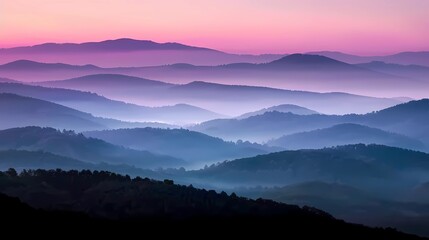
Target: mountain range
[(295, 71), (408, 119), (126, 52), (406, 58), (378, 169), (20, 111), (189, 145), (407, 71), (104, 107), (123, 44), (235, 100)]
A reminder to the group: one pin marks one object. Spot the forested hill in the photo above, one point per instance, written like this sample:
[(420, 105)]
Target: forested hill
[(114, 198)]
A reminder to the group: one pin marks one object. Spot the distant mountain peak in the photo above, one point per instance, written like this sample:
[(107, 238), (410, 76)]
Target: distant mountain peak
[(8, 81), (304, 59), (285, 108), (121, 44), (33, 65), (105, 78)]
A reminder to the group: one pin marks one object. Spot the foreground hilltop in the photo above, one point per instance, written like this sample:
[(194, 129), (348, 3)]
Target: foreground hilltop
[(116, 200)]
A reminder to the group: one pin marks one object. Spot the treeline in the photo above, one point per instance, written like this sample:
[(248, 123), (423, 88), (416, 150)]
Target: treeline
[(114, 202)]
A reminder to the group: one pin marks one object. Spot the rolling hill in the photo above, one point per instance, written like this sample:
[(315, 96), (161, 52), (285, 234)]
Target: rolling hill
[(21, 159), (235, 100), (122, 44), (189, 145), (77, 146), (261, 128), (104, 107), (281, 108), (407, 119), (126, 52), (405, 58), (19, 111), (344, 134), (7, 80), (120, 204), (375, 168), (28, 65), (409, 71), (295, 71), (308, 62), (352, 204)]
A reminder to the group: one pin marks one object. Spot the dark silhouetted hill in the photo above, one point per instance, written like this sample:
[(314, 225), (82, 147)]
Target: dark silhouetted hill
[(121, 45), (119, 202), (352, 204), (38, 66), (310, 63), (21, 159), (127, 52), (281, 108)]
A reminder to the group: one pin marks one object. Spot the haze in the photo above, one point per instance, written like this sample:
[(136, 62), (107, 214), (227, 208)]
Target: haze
[(364, 27)]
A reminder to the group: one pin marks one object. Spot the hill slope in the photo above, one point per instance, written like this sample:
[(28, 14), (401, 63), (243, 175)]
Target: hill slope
[(342, 134), (69, 144), (298, 110), (408, 119), (20, 111), (126, 52), (352, 204), (405, 58), (104, 107), (109, 196), (411, 71), (235, 100), (372, 167), (185, 144)]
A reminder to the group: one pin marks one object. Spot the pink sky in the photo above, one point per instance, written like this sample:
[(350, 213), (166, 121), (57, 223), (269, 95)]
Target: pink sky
[(241, 26)]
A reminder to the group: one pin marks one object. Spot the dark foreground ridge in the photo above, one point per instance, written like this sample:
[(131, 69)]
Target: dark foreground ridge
[(104, 201)]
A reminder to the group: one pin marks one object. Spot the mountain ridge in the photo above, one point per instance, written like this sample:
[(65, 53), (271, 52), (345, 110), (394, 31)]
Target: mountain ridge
[(121, 44), (344, 134), (77, 146)]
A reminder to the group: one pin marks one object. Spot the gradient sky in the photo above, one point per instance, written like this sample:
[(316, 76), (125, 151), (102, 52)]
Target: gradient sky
[(242, 26)]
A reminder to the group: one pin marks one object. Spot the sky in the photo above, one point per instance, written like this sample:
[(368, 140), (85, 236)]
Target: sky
[(364, 27)]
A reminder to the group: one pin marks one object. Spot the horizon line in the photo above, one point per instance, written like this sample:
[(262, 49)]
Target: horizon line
[(313, 52)]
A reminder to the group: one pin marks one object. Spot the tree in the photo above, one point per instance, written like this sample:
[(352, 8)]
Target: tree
[(168, 182), (12, 172)]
